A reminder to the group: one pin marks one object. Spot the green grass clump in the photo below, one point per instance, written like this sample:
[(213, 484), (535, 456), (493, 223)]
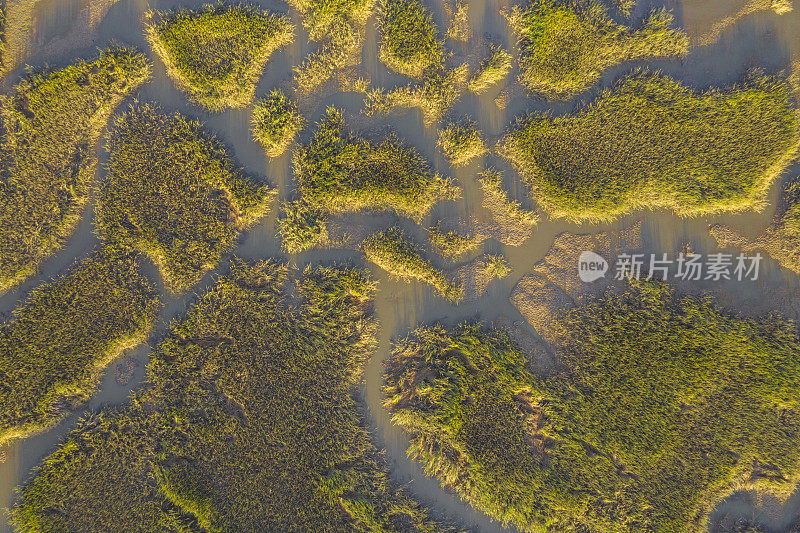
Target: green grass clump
[(173, 193), (517, 222), (495, 266), (340, 26), (661, 406), (248, 421), (492, 70), (51, 122), (54, 349), (275, 123), (302, 227), (217, 53), (461, 142), (566, 44), (459, 29), (452, 245), (390, 250), (340, 173), (439, 91), (410, 43), (651, 142)]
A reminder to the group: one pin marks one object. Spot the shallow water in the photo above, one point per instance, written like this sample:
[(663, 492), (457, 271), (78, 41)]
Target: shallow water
[(763, 39)]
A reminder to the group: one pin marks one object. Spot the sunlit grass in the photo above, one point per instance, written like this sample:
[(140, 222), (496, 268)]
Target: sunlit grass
[(435, 94), (652, 142), (173, 193), (217, 53), (248, 421), (565, 45), (460, 142), (275, 122), (390, 250), (492, 71), (410, 42), (341, 173), (55, 347), (52, 120), (660, 407)]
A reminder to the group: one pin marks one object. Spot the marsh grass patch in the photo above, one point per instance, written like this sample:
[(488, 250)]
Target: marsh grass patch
[(217, 53), (51, 123), (246, 378), (339, 27), (172, 192), (565, 45), (390, 250), (437, 92), (275, 122), (646, 424), (340, 173), (53, 350), (492, 70), (453, 245), (410, 42), (302, 226), (460, 142), (650, 142)]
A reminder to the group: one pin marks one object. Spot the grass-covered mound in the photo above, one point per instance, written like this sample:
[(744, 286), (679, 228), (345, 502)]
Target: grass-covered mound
[(390, 250), (651, 142), (275, 122), (492, 70), (410, 41), (217, 53), (172, 192), (660, 407), (339, 26), (460, 142), (51, 122), (248, 422), (565, 45), (340, 173), (452, 245), (438, 91), (54, 348), (513, 225)]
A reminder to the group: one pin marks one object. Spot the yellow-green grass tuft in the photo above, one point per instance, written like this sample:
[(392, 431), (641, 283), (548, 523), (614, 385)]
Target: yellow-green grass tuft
[(459, 29), (217, 53), (781, 240), (55, 347), (249, 422), (461, 142), (52, 121), (302, 227), (495, 266), (565, 45), (515, 222), (389, 250), (661, 406), (173, 193), (438, 91), (340, 26), (340, 173), (275, 122), (410, 43), (651, 142), (492, 70), (452, 245)]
